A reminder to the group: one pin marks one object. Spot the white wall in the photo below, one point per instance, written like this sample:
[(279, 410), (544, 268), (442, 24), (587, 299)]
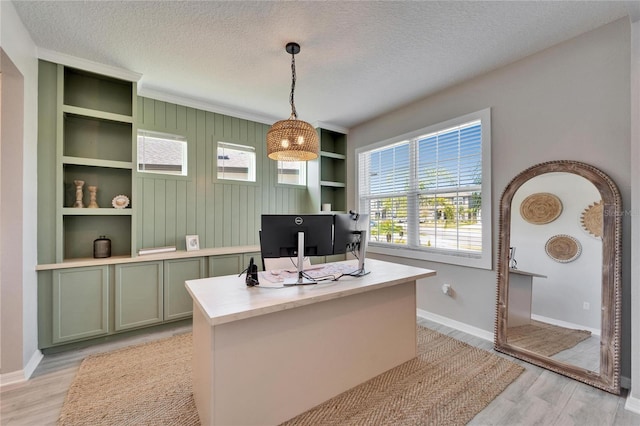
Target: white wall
[(571, 101), (17, 44), (633, 401)]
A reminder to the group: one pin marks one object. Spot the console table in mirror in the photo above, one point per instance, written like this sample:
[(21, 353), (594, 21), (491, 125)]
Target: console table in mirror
[(558, 304)]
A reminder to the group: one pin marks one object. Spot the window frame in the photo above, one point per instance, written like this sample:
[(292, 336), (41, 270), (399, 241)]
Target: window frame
[(238, 147), (303, 168), (180, 138), (483, 260)]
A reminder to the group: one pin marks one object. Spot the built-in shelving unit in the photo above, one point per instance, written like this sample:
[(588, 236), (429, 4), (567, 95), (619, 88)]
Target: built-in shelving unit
[(332, 171), (95, 144)]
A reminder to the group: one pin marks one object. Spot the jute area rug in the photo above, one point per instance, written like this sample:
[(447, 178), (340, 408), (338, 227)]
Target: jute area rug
[(545, 339), (448, 383)]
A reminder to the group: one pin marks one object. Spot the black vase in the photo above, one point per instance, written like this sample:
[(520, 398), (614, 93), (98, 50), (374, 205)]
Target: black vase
[(102, 247)]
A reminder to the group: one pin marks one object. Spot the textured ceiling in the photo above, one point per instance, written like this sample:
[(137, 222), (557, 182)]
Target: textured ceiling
[(358, 59)]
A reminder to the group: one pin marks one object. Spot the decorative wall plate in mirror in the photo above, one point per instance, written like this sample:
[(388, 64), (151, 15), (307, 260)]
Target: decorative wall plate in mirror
[(559, 314)]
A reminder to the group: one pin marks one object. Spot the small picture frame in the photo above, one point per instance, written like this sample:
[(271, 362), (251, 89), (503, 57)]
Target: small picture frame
[(193, 243)]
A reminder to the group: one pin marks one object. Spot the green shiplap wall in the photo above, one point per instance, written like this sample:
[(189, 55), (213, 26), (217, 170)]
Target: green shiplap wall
[(221, 213)]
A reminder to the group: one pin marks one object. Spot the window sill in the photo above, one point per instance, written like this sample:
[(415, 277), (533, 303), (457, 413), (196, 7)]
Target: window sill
[(460, 260)]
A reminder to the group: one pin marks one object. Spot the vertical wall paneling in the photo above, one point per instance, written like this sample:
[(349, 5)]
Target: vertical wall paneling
[(210, 157), (221, 213), (181, 212), (201, 166), (226, 215), (148, 112), (171, 116), (160, 112), (171, 207), (218, 194), (243, 212), (147, 213), (159, 221), (192, 198)]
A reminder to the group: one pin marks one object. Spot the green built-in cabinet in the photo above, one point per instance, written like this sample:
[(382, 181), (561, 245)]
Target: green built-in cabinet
[(138, 295), (328, 174), (177, 301), (79, 304), (95, 140), (87, 131)]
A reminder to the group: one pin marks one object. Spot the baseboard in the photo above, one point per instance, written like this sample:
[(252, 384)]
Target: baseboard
[(23, 375), (8, 379), (33, 363), (632, 404), (594, 331), (466, 328), (625, 382)]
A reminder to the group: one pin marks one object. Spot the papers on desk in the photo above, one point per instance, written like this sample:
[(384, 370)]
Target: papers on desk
[(330, 271)]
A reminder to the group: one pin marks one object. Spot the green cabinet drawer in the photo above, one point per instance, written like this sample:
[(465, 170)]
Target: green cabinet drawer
[(80, 303), (138, 295), (177, 301)]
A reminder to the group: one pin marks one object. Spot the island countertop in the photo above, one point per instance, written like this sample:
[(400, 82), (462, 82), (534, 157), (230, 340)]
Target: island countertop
[(226, 299)]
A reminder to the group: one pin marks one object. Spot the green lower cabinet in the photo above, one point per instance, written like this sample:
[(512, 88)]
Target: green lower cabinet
[(80, 303), (226, 265), (177, 301), (138, 294)]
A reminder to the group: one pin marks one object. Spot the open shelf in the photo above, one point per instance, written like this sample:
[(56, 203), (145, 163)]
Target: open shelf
[(109, 181), (98, 92), (80, 232), (333, 142), (90, 137)]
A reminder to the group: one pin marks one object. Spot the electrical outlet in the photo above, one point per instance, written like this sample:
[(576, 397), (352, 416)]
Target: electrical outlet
[(586, 306)]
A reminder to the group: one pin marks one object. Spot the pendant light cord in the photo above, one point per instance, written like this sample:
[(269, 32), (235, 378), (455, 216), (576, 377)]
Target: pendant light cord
[(294, 113)]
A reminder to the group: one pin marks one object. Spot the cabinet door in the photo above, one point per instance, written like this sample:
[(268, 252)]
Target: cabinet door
[(177, 301), (80, 303), (225, 265), (138, 295)]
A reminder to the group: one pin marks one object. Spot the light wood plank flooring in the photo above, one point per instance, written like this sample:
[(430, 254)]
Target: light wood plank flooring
[(537, 397)]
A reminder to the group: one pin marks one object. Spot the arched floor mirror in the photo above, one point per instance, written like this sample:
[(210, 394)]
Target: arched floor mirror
[(558, 295)]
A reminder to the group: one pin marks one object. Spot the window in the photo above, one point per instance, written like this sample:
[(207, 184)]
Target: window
[(162, 153), (292, 172), (428, 193), (236, 162)]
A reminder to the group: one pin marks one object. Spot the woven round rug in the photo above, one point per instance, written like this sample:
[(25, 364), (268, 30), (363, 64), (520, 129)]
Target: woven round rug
[(540, 208)]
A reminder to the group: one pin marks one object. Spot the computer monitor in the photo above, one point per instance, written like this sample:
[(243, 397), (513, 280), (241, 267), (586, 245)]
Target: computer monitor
[(350, 235), (279, 234), (287, 235)]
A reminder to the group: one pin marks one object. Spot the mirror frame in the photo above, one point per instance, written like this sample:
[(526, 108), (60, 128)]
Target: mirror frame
[(608, 376)]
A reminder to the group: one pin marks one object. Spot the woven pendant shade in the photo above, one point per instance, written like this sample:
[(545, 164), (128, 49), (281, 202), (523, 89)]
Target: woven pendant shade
[(292, 140)]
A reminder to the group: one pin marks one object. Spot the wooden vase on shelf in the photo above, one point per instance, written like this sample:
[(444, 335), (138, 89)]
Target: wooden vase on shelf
[(79, 184), (92, 197)]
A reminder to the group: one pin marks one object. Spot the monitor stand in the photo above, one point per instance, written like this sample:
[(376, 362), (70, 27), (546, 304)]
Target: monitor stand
[(300, 280), (361, 252)]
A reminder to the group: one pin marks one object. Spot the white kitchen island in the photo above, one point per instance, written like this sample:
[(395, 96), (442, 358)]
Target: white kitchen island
[(264, 354)]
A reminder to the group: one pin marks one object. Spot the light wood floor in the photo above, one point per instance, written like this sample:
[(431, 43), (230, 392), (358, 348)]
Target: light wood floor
[(537, 397)]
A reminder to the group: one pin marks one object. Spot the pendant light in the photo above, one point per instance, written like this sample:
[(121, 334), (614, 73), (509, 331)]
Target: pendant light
[(292, 139)]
